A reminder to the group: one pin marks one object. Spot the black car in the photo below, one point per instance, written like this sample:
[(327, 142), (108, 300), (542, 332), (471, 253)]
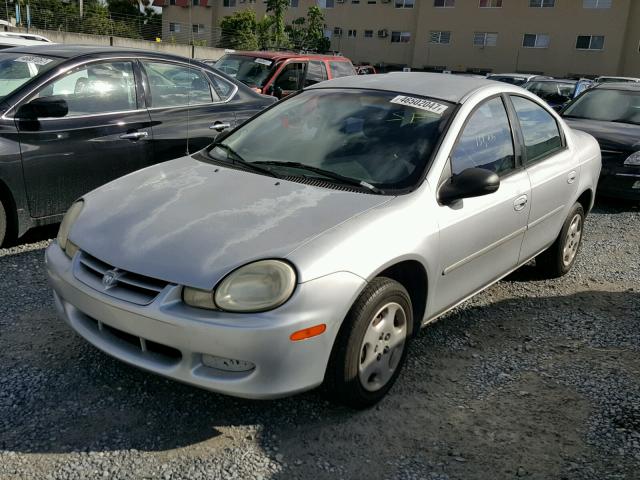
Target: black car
[(611, 113), (75, 117), (555, 92)]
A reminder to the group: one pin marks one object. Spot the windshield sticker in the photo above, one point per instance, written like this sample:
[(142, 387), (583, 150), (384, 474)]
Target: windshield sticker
[(33, 59), (262, 61), (421, 103)]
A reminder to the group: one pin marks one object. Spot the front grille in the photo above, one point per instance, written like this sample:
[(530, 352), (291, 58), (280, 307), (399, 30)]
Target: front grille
[(613, 157), (117, 283), (163, 353)]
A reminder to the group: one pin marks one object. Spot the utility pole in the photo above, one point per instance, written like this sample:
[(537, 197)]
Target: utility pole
[(81, 5)]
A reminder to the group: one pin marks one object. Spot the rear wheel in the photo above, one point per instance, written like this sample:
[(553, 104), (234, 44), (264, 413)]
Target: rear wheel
[(558, 259), (3, 223), (371, 347)]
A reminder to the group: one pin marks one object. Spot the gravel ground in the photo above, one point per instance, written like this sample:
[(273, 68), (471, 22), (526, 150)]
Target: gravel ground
[(530, 379)]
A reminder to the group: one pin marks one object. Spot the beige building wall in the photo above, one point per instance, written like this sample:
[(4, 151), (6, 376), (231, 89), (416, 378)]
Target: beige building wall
[(620, 25)]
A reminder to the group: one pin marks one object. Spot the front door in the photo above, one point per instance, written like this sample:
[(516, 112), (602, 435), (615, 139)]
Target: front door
[(480, 237), (188, 108), (104, 135), (290, 79)]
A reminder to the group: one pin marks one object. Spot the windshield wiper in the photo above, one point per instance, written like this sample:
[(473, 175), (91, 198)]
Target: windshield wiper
[(237, 159), (328, 174)]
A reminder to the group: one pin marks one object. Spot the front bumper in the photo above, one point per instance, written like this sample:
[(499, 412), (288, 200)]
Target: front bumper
[(620, 182), (177, 335)]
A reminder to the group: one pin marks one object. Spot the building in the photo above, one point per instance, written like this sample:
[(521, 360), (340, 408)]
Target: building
[(556, 37)]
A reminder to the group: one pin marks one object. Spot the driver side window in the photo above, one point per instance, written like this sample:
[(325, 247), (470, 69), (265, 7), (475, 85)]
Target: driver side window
[(486, 141), (291, 77)]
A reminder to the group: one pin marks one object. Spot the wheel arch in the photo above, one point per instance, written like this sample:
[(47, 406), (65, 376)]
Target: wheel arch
[(586, 199), (8, 200), (413, 276)]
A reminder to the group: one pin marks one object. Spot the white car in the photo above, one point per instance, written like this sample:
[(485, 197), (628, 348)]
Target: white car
[(16, 39), (310, 244)]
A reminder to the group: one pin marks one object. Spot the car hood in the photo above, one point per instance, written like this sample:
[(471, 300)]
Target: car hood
[(191, 222), (622, 137)]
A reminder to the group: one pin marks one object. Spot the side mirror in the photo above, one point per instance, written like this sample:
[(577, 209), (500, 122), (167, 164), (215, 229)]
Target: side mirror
[(472, 182), (278, 92), (47, 107)]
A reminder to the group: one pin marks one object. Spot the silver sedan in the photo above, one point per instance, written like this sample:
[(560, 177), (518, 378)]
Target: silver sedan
[(309, 245)]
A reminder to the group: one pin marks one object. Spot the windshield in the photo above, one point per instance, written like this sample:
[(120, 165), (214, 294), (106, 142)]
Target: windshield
[(380, 139), (16, 69), (252, 71), (551, 90), (607, 105)]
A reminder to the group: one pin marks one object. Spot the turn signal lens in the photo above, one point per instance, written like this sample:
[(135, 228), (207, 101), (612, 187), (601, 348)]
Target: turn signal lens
[(308, 333)]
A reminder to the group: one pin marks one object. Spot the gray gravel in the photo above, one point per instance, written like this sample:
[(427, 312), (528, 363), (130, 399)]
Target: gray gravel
[(531, 379)]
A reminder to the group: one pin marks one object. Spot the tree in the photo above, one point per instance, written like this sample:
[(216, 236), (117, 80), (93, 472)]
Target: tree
[(278, 10), (297, 33), (315, 38), (239, 31), (264, 33)]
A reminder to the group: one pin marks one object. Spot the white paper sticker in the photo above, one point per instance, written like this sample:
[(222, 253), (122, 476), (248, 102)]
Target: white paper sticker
[(421, 103), (262, 61), (33, 59)]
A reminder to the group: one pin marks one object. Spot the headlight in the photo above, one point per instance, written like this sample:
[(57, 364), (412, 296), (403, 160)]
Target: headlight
[(256, 287), (67, 222), (633, 159)]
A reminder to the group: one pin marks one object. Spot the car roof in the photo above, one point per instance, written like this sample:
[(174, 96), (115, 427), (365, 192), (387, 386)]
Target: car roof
[(632, 87), (66, 51), (635, 79), (451, 88), (286, 55), (554, 80), (513, 75)]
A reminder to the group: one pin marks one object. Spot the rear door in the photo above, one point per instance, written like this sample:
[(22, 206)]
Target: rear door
[(316, 73), (481, 237), (341, 69), (188, 109), (105, 134), (553, 172)]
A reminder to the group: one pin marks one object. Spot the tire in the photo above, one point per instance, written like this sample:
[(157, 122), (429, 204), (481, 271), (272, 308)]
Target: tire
[(558, 259), (3, 224), (372, 345)]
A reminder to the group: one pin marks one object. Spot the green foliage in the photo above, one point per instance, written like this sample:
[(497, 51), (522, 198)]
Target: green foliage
[(239, 31), (278, 10)]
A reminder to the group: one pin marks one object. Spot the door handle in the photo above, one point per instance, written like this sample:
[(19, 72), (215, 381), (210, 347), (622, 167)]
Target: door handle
[(520, 202), (219, 126), (572, 177), (134, 135)]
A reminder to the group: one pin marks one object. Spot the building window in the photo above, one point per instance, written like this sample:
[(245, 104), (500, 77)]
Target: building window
[(441, 38), (444, 3), (485, 39), (337, 32), (490, 4), (372, 2), (172, 2), (352, 33), (590, 42), (368, 34), (326, 3), (355, 1), (229, 3), (542, 3), (174, 27), (197, 28), (195, 3), (596, 3), (405, 3), (535, 40), (400, 37)]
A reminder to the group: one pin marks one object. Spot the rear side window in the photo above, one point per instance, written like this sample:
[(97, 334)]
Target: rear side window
[(222, 89), (486, 141), (341, 69), (174, 85), (539, 128), (316, 73)]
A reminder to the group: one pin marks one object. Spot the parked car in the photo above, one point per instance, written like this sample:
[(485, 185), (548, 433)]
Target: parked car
[(75, 117), (15, 39), (606, 79), (516, 78), (556, 92), (310, 244), (282, 73), (611, 113), (366, 70)]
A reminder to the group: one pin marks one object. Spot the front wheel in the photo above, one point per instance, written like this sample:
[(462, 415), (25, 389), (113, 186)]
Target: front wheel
[(371, 347), (558, 259)]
